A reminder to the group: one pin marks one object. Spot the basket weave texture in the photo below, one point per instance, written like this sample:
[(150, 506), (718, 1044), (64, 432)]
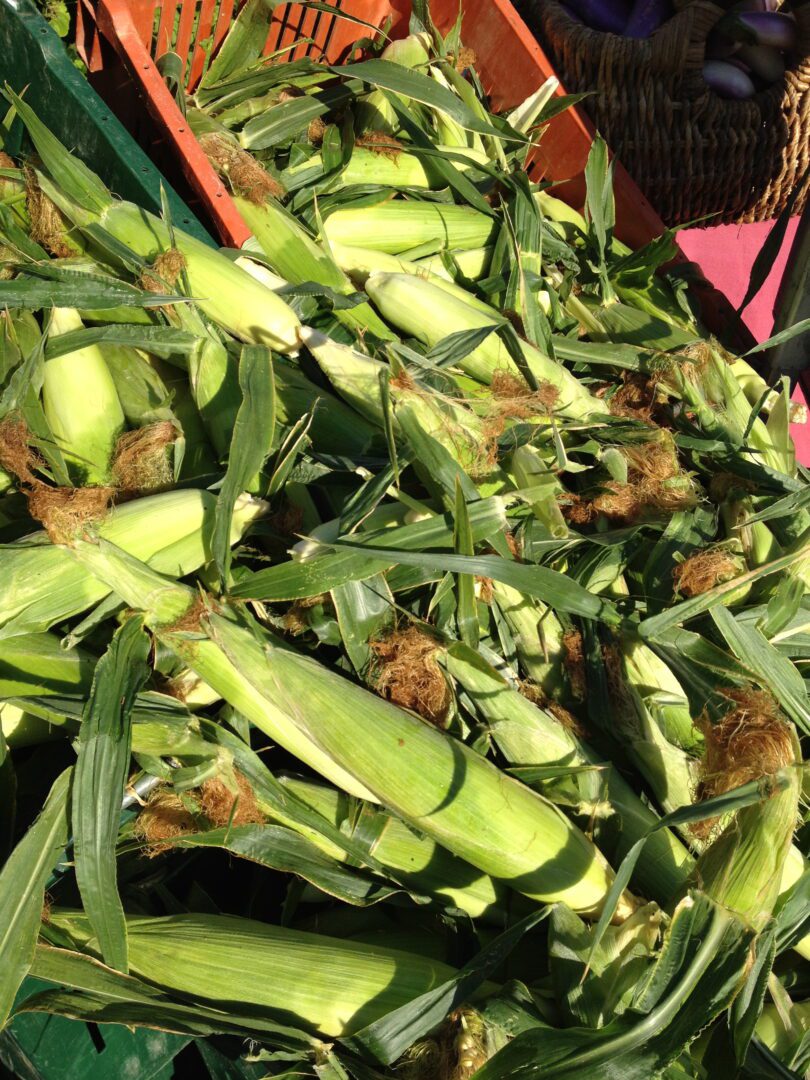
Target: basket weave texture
[(691, 152)]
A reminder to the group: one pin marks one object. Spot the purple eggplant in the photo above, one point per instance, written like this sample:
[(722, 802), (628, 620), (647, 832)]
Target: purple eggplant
[(760, 28), (766, 62), (646, 17), (727, 80), (609, 16)]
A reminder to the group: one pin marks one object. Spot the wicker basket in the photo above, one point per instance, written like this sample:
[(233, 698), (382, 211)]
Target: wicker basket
[(691, 152)]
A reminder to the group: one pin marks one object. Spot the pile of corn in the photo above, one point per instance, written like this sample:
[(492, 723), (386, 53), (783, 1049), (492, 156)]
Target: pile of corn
[(408, 612)]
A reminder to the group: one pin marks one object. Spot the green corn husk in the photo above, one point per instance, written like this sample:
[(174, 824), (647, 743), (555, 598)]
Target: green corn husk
[(545, 858), (297, 258), (81, 405), (529, 736), (538, 638), (416, 860), (427, 312), (743, 869), (354, 375), (470, 265), (652, 681), (374, 112), (42, 584), (225, 292), (397, 227), (782, 1039), (361, 263), (437, 784), (394, 167), (247, 686), (36, 665), (328, 987)]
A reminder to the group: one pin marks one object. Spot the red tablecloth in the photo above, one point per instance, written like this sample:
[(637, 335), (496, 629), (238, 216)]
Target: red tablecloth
[(726, 254)]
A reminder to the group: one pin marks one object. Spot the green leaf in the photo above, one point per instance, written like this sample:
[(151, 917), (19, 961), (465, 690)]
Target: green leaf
[(252, 440), (773, 670), (162, 341), (98, 784), (79, 291), (364, 609), (22, 890), (279, 848), (284, 121), (72, 175), (294, 580), (791, 332), (244, 42), (100, 994), (412, 84), (467, 610), (555, 589), (600, 207)]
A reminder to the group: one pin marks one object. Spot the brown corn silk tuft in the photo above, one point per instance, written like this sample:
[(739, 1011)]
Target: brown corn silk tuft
[(245, 174), (701, 572), (576, 509), (164, 271), (221, 804), (465, 59), (64, 511), (47, 227), (189, 621), (511, 398), (380, 143), (143, 460), (486, 590), (751, 741), (652, 468), (574, 663), (534, 693), (639, 398), (164, 818), (17, 456), (408, 674), (515, 399), (316, 130), (5, 161), (47, 899)]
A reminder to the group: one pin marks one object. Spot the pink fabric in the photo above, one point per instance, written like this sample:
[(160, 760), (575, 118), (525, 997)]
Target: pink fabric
[(726, 254)]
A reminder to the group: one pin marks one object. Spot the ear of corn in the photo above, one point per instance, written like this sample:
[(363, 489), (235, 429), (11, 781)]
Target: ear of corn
[(81, 405), (329, 987), (425, 310), (44, 585), (398, 227)]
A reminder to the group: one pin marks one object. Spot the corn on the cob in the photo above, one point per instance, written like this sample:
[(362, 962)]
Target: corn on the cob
[(329, 987)]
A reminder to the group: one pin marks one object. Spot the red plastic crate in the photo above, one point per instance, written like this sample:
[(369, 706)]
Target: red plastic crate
[(121, 39)]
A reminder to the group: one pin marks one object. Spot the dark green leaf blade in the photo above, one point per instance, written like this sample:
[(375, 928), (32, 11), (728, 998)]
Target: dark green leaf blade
[(98, 784), (22, 890)]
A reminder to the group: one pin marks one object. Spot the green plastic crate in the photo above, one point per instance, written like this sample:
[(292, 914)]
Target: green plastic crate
[(36, 1046), (34, 57)]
